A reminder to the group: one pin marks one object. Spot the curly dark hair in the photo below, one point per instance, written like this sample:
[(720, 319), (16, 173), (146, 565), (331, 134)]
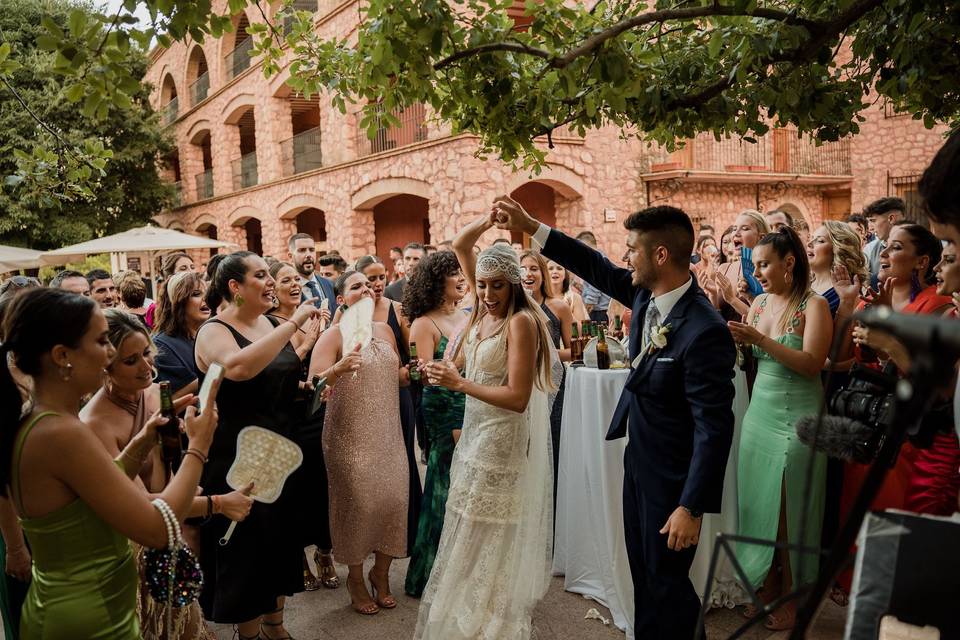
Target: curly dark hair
[(424, 290)]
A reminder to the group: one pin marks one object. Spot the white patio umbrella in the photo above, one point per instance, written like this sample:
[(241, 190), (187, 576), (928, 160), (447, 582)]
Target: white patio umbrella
[(16, 258), (149, 240)]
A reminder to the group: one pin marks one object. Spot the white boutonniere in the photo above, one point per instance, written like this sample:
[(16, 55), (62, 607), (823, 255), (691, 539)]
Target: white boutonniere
[(658, 337)]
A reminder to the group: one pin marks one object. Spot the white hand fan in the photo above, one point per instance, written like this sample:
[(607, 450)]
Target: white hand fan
[(356, 325), (266, 459)]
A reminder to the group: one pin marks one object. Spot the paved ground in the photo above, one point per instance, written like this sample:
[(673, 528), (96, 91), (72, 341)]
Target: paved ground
[(326, 615)]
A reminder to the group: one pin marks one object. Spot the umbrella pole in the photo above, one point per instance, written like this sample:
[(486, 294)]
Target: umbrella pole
[(153, 276)]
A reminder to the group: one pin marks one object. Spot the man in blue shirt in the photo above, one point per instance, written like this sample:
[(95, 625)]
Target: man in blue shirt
[(881, 215), (596, 301)]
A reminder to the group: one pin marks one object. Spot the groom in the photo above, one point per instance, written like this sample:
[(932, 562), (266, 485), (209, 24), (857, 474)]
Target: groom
[(677, 400)]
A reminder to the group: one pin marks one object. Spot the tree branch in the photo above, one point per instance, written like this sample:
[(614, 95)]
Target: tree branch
[(830, 29), (515, 47)]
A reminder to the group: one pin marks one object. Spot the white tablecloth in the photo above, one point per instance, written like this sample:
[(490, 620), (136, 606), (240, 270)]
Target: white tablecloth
[(589, 549)]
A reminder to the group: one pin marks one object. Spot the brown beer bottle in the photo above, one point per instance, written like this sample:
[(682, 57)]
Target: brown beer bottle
[(603, 351), (576, 347), (170, 443)]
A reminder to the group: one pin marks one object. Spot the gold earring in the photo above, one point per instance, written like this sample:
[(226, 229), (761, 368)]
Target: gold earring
[(238, 299)]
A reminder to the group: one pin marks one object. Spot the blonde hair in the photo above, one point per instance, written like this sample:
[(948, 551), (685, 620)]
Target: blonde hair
[(758, 220), (846, 249)]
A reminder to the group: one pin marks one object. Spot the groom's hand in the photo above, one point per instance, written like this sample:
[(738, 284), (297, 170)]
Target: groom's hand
[(508, 214), (682, 530)]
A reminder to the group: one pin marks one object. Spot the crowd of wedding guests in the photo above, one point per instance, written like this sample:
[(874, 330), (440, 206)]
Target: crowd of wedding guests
[(90, 350)]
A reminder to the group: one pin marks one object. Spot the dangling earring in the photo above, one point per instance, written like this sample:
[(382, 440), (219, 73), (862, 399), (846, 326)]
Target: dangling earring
[(155, 372), (238, 299), (915, 286), (66, 372), (788, 278)]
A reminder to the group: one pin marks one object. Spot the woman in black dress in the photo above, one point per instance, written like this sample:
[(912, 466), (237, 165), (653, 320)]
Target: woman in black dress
[(246, 580)]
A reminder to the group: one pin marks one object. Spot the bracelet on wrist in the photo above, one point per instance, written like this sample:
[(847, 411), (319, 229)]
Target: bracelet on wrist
[(209, 506), (217, 507), (197, 454)]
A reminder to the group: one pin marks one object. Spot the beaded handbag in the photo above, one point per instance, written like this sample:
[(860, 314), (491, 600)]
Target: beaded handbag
[(172, 575)]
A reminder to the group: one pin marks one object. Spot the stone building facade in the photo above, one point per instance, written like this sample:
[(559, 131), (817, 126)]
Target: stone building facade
[(256, 163)]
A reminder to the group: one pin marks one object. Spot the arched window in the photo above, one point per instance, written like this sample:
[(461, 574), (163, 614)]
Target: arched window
[(198, 76)]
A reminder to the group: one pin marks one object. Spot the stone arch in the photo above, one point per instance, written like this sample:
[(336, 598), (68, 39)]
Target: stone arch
[(168, 89), (204, 220), (563, 180), (291, 207), (197, 65), (234, 64), (238, 106), (239, 216), (369, 196), (197, 130)]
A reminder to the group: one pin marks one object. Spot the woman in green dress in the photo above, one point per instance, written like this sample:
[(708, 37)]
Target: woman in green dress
[(78, 511), (789, 328), (430, 300)]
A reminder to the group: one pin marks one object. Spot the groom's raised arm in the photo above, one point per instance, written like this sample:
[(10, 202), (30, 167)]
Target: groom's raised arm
[(586, 262)]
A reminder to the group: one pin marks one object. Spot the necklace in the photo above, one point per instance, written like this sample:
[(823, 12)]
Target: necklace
[(130, 406)]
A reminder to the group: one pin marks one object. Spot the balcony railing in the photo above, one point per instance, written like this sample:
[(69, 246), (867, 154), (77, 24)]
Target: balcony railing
[(239, 59), (204, 184), (170, 111), (412, 129), (780, 151), (200, 88), (177, 200), (301, 152), (245, 171)]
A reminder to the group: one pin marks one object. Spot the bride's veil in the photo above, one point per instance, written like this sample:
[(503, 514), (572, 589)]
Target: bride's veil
[(535, 529)]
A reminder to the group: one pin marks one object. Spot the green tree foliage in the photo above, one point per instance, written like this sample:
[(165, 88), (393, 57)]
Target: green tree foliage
[(662, 70), (74, 174)]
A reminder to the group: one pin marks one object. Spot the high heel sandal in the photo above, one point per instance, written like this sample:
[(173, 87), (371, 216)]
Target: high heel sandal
[(368, 609), (388, 601), (310, 581), (240, 636), (264, 623), (327, 570)]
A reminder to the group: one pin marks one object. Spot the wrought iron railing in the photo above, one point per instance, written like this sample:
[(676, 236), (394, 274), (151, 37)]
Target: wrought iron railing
[(204, 184), (199, 88), (301, 152), (780, 151), (245, 171), (238, 60), (177, 200), (170, 111), (412, 128)]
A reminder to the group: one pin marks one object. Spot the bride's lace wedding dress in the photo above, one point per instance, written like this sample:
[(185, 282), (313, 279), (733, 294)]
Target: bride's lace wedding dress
[(493, 563)]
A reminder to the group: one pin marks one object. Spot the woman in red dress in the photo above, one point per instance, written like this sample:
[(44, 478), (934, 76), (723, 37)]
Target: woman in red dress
[(923, 480)]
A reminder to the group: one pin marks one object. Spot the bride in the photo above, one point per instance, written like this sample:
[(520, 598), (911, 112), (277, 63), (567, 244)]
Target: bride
[(493, 563)]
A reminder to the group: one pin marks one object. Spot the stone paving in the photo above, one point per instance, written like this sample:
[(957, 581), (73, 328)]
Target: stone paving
[(326, 615)]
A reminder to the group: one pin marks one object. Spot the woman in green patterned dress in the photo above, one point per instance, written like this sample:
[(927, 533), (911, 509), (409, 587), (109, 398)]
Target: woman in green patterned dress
[(789, 328), (430, 301)]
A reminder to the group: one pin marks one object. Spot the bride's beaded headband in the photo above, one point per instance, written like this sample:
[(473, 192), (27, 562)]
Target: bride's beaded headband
[(499, 260)]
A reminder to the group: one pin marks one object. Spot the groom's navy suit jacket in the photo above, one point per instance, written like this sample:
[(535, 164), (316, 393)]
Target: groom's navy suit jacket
[(678, 400)]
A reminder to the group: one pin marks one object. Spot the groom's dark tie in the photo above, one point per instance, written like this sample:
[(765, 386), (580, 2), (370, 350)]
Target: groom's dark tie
[(315, 290)]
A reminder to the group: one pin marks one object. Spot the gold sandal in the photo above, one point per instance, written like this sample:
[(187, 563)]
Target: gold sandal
[(310, 582), (328, 572), (385, 602)]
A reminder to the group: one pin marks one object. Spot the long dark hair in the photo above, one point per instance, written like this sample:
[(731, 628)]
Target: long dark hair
[(232, 267), (36, 322), (786, 242), (424, 290)]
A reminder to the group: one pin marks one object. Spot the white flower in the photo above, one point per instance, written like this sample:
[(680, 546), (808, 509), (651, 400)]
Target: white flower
[(658, 337)]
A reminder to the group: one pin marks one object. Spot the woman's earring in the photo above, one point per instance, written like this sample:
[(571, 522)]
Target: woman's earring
[(788, 278), (66, 372), (238, 299), (156, 373)]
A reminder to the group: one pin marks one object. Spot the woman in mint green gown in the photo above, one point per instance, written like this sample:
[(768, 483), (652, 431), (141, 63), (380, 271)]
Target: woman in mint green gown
[(78, 508), (790, 330)]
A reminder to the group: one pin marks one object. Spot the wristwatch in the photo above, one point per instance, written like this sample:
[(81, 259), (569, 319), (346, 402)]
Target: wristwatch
[(692, 512)]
